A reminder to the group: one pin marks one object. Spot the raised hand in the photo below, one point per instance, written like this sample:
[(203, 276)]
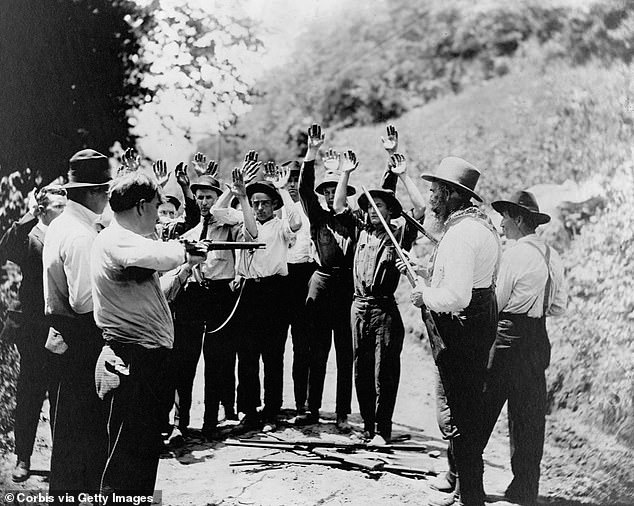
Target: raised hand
[(251, 156), (315, 137), (199, 163), (348, 162), (391, 142), (397, 164), (250, 170), (181, 175), (122, 171), (270, 171), (159, 167), (212, 169), (238, 188), (331, 160), (281, 177), (131, 159)]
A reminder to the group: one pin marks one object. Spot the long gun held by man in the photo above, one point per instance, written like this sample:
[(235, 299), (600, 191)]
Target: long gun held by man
[(211, 245), (435, 340)]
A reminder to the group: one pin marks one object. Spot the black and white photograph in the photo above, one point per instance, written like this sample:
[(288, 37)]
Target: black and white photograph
[(317, 252)]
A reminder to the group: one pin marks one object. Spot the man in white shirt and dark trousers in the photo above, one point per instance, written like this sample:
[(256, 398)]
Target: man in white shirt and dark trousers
[(301, 265), (261, 318), (530, 287), (461, 300), (201, 308), (132, 311), (79, 435)]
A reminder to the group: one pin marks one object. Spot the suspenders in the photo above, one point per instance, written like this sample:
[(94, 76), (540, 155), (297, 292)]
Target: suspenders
[(546, 257)]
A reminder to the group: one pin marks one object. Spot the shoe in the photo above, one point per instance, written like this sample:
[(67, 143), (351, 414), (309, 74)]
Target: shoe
[(445, 500), (210, 433), (269, 427), (249, 423), (517, 497), (22, 471), (230, 414), (342, 424), (176, 438), (443, 484), (378, 440), (308, 418)]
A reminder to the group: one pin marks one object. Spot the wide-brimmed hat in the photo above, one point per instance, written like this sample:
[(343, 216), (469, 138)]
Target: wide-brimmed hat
[(88, 168), (174, 200), (295, 167), (206, 182), (388, 196), (331, 179), (457, 172), (265, 187), (524, 201)]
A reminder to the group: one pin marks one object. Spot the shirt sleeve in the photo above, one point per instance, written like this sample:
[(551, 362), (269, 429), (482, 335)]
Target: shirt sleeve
[(409, 235), (505, 281), (150, 254), (172, 281), (456, 257), (559, 293), (77, 261), (192, 214)]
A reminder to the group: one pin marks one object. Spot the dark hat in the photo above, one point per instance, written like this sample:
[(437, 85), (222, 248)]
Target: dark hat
[(331, 179), (88, 168), (207, 182), (524, 201), (388, 196), (265, 187), (173, 200), (295, 167), (457, 172)]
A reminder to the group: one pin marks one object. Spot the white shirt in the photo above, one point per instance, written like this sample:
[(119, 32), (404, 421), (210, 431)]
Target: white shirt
[(130, 306), (66, 260), (466, 259), (276, 234), (522, 280), (301, 249)]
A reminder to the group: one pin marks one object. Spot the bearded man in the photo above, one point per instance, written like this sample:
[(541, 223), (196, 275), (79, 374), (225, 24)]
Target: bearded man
[(460, 295)]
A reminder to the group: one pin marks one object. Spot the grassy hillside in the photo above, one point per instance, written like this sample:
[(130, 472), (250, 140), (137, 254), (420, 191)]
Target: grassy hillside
[(535, 127)]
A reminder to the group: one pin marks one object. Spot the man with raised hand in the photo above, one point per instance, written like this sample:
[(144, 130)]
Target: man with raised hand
[(79, 436), (330, 289), (261, 320), (530, 288), (377, 326), (133, 314)]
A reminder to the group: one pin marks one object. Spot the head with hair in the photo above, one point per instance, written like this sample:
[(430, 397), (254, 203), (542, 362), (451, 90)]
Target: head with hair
[(135, 198), (50, 202), (447, 198)]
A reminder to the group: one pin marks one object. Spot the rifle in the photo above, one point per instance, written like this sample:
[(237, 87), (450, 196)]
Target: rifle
[(210, 245), (435, 340), (311, 444)]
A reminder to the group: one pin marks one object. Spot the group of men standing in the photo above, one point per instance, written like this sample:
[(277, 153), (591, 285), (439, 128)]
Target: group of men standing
[(130, 309)]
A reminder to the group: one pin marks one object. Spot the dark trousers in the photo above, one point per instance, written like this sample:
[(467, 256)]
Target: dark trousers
[(460, 389), (79, 433), (297, 289), (198, 311), (261, 334), (517, 373), (328, 308), (378, 333), (133, 423), (37, 377)]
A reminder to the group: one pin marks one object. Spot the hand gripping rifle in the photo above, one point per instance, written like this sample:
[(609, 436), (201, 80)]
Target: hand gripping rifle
[(435, 340)]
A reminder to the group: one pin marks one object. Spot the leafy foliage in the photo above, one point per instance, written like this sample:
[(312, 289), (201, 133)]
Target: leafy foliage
[(368, 68), (69, 78)]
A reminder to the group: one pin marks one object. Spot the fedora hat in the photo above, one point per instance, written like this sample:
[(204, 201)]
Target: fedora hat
[(206, 182), (524, 201), (88, 168), (174, 200), (265, 187), (295, 167), (457, 172), (331, 179)]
